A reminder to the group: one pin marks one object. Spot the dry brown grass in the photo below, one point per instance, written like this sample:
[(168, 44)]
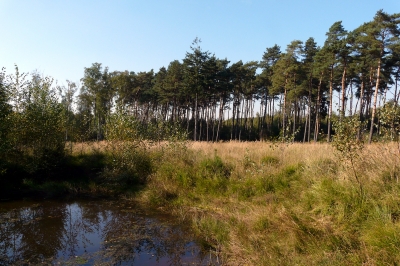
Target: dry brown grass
[(291, 153), (312, 215), (88, 147), (296, 204)]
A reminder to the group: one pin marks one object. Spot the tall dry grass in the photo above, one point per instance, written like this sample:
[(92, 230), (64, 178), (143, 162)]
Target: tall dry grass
[(265, 204), (259, 203)]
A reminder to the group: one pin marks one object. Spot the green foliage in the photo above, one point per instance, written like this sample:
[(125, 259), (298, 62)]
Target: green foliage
[(389, 117), (5, 110), (123, 127), (36, 127), (348, 144), (169, 131), (128, 161), (97, 96), (128, 142), (345, 140), (127, 165)]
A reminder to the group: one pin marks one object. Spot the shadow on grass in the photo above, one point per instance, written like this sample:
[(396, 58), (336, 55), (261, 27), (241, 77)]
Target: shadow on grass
[(75, 175)]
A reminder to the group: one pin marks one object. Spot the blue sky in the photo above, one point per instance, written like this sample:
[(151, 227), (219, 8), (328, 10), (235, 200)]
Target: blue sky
[(59, 38)]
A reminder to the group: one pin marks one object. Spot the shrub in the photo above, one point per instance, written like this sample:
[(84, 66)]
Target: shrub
[(36, 126), (127, 165), (348, 145)]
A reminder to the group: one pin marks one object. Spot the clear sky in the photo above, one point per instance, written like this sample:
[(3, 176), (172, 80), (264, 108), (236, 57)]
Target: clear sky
[(58, 38)]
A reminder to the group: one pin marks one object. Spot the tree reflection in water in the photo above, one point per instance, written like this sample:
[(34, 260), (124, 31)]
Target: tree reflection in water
[(96, 232)]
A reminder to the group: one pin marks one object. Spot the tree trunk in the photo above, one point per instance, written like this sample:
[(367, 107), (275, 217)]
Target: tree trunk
[(284, 111), (195, 120), (351, 98), (317, 109), (395, 88), (330, 105), (233, 117), (343, 92), (378, 73), (221, 110), (305, 130)]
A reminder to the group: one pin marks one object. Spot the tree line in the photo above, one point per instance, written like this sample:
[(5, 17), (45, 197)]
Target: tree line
[(288, 93)]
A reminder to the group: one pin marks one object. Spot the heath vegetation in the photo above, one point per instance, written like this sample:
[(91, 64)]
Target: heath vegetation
[(314, 187)]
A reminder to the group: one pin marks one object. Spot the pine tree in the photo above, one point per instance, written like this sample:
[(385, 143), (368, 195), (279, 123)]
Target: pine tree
[(380, 34)]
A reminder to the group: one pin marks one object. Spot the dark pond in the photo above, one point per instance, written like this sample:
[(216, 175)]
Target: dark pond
[(94, 233)]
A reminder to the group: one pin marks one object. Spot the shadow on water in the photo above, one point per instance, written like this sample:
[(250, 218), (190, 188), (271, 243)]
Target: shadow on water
[(94, 233)]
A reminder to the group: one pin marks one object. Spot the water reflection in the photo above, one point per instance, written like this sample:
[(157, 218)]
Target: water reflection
[(87, 233)]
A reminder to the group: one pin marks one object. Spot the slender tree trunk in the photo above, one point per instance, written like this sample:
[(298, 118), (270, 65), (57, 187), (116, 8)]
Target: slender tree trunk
[(261, 120), (201, 124), (233, 117), (294, 118), (238, 114), (195, 120), (395, 103), (305, 131), (207, 122), (369, 93), (251, 116), (330, 105), (240, 119), (378, 73), (284, 110), (221, 114), (384, 97), (294, 109), (351, 98), (272, 113), (395, 89), (245, 110), (214, 117), (317, 108), (343, 92), (308, 117), (187, 120)]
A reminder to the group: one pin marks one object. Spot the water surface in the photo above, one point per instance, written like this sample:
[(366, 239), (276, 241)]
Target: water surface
[(94, 233)]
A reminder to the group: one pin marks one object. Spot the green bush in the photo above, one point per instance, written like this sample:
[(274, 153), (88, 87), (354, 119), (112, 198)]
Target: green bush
[(127, 165), (35, 127), (5, 110)]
